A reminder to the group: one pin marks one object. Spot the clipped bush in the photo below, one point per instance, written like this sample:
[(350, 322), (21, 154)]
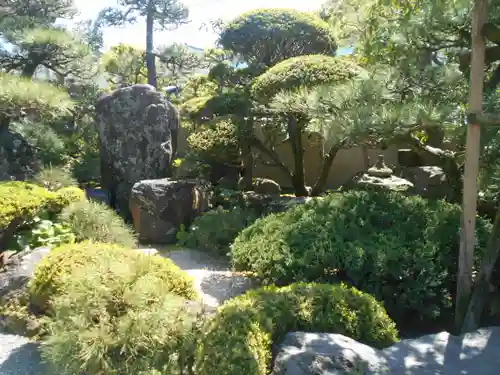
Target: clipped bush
[(54, 270), (54, 178), (238, 339), (293, 33), (215, 230), (22, 200), (119, 316), (95, 221), (401, 249), (304, 71)]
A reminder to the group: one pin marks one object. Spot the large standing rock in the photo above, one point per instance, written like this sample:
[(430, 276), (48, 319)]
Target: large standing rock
[(18, 160), (160, 207), (475, 353), (135, 125)]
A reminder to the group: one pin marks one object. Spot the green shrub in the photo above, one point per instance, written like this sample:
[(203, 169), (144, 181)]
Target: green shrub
[(118, 316), (215, 230), (21, 200), (55, 178), (238, 339), (51, 274), (95, 221), (304, 71), (403, 250)]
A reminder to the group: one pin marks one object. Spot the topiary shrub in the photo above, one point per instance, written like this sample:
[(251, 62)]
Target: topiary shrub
[(54, 178), (22, 202), (268, 36), (401, 249), (303, 71), (238, 339), (215, 230), (90, 220), (54, 270), (119, 316)]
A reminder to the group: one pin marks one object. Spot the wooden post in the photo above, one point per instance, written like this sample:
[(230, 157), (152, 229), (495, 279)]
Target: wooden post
[(467, 240)]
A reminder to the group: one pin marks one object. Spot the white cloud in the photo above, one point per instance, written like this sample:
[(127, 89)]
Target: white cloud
[(201, 11)]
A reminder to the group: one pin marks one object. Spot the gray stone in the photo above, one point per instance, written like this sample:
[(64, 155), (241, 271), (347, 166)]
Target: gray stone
[(160, 207), (19, 356), (428, 181), (136, 126), (19, 270), (18, 159), (333, 354)]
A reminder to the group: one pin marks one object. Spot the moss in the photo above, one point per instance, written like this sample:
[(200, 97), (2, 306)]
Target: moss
[(303, 71), (237, 341), (61, 262)]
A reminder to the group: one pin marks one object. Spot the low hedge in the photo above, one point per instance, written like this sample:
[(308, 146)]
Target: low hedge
[(238, 340), (22, 201), (25, 200), (401, 249), (51, 274)]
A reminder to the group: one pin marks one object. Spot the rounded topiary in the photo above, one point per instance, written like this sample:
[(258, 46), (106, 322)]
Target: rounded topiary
[(119, 316), (238, 339), (95, 221), (268, 36), (52, 273), (402, 249), (303, 71)]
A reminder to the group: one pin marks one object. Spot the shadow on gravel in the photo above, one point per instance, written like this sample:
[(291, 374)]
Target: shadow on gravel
[(22, 360)]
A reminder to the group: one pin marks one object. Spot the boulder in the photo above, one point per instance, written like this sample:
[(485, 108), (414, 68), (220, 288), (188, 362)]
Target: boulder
[(135, 125), (160, 207), (266, 186), (428, 181), (18, 160), (475, 353)]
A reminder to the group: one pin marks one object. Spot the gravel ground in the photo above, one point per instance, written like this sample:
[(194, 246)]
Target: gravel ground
[(19, 356)]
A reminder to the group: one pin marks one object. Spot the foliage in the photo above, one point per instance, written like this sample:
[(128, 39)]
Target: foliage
[(358, 234), (53, 48), (55, 271), (303, 71), (293, 34), (125, 65), (95, 221), (227, 103), (217, 141), (119, 317), (215, 230), (49, 146), (42, 233), (238, 339), (18, 95), (24, 201), (54, 178)]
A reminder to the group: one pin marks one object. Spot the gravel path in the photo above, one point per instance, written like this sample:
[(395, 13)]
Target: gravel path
[(19, 356), (213, 278)]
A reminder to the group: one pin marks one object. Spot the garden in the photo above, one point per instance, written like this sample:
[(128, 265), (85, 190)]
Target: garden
[(373, 256)]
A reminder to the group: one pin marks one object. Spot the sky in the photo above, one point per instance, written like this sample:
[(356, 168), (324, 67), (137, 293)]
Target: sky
[(201, 11)]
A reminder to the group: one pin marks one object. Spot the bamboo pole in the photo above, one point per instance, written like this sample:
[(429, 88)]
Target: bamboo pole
[(467, 240)]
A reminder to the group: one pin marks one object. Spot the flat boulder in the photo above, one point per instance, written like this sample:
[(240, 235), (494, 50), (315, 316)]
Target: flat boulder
[(303, 353), (160, 207)]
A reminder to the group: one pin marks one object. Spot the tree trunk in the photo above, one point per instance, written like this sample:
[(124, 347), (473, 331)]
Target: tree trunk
[(247, 167), (325, 170), (150, 57), (480, 295), (294, 129)]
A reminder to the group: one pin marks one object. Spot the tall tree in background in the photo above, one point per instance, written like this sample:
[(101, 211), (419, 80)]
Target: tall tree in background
[(164, 14)]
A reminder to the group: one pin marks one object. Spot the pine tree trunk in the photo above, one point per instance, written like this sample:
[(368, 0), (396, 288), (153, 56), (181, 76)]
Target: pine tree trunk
[(325, 170), (150, 58), (298, 178)]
